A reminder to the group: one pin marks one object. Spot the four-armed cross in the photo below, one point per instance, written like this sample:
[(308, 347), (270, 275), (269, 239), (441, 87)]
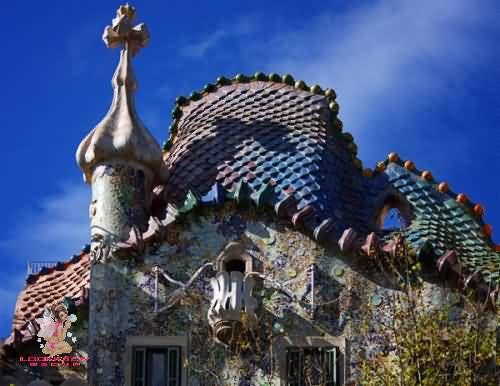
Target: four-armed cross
[(121, 32)]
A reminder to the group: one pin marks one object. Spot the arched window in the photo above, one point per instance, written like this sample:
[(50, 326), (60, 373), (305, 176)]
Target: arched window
[(235, 258)]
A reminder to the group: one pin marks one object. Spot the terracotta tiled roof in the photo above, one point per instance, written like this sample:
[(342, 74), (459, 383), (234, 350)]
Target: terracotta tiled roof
[(67, 279)]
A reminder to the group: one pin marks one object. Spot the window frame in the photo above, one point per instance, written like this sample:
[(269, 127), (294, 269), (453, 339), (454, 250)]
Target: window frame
[(234, 251), (151, 343), (285, 343)]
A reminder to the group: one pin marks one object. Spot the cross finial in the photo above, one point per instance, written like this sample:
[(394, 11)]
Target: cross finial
[(121, 32), (121, 135)]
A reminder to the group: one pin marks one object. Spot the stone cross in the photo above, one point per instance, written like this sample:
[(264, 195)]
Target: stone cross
[(122, 33)]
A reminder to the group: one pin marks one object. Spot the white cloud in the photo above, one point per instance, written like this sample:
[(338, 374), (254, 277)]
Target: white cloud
[(386, 60), (200, 48), (389, 61), (56, 229), (392, 63)]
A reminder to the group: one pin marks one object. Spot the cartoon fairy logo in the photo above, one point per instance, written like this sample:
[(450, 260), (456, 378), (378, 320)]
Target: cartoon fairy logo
[(54, 328)]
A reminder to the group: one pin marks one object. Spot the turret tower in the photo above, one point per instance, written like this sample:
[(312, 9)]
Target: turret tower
[(120, 159)]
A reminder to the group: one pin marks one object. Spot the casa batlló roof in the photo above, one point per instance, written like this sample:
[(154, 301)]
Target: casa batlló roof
[(271, 141), (278, 140)]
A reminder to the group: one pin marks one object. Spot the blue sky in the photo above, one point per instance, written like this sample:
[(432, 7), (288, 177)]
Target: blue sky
[(420, 78)]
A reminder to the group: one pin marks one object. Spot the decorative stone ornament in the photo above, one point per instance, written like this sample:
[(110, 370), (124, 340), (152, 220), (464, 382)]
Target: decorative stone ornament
[(232, 300), (380, 166), (119, 157), (427, 175), (462, 198), (100, 249), (488, 230), (376, 300), (478, 210), (410, 165), (393, 157)]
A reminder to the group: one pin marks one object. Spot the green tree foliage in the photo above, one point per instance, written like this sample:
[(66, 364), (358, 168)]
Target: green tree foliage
[(426, 344)]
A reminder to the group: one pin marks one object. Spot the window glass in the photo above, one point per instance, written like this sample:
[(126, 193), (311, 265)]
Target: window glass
[(156, 366), (174, 366), (139, 362)]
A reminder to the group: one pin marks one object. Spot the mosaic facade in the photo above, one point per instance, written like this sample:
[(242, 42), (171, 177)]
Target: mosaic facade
[(330, 307)]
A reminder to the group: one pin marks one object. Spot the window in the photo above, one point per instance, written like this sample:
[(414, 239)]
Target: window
[(311, 360), (234, 257), (311, 366), (156, 360), (156, 366)]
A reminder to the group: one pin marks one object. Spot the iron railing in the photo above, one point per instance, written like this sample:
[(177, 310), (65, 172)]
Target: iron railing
[(33, 267)]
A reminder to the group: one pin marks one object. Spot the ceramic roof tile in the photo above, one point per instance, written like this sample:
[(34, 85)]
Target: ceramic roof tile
[(279, 140), (285, 133), (448, 224)]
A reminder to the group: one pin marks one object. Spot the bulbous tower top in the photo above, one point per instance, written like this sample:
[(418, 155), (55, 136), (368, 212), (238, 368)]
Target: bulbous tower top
[(121, 135)]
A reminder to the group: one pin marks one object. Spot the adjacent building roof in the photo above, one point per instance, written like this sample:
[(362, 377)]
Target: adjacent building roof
[(68, 279)]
